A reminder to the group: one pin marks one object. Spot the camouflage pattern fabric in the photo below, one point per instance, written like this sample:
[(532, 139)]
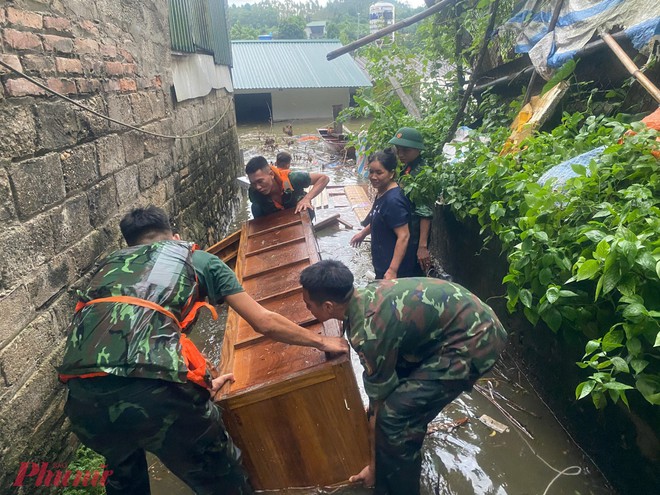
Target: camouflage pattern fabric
[(419, 211), (401, 428), (421, 342), (437, 327), (121, 418), (128, 340)]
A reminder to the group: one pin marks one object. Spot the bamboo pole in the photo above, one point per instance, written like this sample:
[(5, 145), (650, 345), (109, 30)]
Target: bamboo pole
[(389, 29), (630, 66)]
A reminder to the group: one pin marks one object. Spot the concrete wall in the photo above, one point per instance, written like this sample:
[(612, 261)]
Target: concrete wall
[(292, 104), (67, 177)]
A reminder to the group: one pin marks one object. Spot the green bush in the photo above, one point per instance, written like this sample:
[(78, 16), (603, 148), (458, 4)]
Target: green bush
[(86, 460)]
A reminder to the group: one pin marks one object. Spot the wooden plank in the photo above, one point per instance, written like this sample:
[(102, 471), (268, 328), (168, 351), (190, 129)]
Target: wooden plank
[(327, 222), (359, 200)]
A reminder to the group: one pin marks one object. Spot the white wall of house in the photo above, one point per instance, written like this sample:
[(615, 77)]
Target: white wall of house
[(291, 104)]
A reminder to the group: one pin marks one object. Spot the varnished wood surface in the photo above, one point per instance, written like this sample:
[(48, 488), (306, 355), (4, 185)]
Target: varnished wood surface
[(296, 414), (311, 431), (359, 200)]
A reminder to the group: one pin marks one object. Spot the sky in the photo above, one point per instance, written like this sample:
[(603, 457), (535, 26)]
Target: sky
[(412, 3)]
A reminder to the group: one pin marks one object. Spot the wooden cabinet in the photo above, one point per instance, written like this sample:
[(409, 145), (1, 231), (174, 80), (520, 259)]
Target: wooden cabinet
[(296, 415)]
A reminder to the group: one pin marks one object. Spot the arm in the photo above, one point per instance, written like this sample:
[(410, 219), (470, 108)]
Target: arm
[(318, 181), (357, 239), (368, 475), (423, 255), (255, 206), (277, 327), (402, 238)]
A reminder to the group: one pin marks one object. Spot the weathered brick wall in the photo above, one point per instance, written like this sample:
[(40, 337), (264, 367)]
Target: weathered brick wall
[(67, 176)]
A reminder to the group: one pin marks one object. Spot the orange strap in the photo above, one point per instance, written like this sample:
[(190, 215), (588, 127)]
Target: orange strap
[(193, 312), (136, 301), (66, 378), (193, 358), (195, 362)]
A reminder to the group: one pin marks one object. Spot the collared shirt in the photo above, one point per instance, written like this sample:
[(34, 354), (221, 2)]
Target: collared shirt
[(436, 327), (388, 212), (263, 205)]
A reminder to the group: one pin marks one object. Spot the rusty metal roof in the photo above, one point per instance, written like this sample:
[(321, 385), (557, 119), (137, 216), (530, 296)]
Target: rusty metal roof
[(286, 64)]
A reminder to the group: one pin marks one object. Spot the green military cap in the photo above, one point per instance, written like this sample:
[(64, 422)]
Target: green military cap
[(408, 137)]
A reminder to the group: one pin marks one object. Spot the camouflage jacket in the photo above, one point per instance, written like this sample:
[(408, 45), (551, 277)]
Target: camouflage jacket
[(434, 326), (129, 340), (419, 211)]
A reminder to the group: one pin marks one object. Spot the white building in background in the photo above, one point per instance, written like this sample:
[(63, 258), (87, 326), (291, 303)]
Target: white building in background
[(381, 15), (284, 80)]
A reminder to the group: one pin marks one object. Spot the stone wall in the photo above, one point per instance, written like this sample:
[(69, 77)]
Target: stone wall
[(624, 445), (67, 176)]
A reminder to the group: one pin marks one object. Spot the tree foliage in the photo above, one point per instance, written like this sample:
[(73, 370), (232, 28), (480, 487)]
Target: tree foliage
[(347, 20), (584, 256), (291, 28)]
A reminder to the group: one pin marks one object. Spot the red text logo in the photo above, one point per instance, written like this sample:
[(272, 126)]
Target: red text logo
[(38, 474)]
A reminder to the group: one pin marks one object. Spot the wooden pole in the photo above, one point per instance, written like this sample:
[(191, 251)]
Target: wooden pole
[(389, 29), (630, 66), (551, 27), (473, 77)]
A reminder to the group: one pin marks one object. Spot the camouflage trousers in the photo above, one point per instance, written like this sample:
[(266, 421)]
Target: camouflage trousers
[(121, 418), (401, 428)]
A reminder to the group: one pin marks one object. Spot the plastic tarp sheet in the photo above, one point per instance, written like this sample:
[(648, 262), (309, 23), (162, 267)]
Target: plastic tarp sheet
[(577, 23)]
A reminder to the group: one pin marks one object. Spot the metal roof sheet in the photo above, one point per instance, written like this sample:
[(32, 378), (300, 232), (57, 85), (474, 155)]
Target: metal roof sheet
[(286, 64)]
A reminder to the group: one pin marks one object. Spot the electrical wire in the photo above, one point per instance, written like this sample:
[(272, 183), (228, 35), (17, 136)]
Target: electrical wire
[(106, 117)]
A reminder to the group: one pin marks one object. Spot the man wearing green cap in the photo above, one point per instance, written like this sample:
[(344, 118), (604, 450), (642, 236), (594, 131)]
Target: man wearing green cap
[(409, 145)]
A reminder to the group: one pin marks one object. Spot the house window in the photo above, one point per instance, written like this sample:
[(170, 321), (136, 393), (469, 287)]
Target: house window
[(200, 26)]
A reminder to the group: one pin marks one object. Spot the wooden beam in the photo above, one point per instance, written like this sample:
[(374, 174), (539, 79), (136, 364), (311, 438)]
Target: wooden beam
[(407, 101), (389, 29)]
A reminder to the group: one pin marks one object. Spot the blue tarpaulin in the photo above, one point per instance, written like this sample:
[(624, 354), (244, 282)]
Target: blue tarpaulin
[(578, 21)]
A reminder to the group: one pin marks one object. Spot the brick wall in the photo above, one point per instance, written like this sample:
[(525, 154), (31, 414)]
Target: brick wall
[(67, 176)]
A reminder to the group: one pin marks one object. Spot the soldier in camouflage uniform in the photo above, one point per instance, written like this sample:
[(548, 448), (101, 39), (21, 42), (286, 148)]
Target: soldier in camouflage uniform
[(134, 383), (421, 341)]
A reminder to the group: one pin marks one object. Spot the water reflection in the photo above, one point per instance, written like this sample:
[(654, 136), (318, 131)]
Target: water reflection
[(467, 459)]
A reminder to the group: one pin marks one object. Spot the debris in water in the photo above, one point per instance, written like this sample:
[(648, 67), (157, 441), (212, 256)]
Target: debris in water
[(495, 425), (446, 427)]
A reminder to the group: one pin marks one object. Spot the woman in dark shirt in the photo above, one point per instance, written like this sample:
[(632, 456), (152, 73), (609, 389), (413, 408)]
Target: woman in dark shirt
[(388, 221)]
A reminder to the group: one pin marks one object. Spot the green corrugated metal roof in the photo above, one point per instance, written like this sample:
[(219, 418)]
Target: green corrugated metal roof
[(285, 64)]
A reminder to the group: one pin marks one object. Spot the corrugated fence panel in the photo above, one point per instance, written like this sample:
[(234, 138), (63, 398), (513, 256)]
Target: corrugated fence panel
[(200, 26), (220, 33), (181, 34)]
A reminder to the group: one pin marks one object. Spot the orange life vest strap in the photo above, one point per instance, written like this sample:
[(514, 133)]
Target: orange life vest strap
[(66, 378), (193, 312), (136, 301), (195, 362), (192, 357), (282, 178)]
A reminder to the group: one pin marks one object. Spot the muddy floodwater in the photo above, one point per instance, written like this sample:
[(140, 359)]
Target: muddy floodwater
[(516, 448)]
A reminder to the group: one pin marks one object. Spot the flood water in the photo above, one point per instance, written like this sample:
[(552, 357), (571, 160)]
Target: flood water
[(463, 455)]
